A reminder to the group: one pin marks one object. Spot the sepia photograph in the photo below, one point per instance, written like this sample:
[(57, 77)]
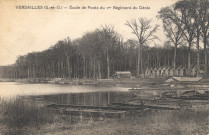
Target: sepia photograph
[(112, 67)]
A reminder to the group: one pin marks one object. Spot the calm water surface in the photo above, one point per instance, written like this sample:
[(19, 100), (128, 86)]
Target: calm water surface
[(65, 94)]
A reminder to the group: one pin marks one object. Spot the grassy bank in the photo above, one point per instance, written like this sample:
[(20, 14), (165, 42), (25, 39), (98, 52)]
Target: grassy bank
[(185, 122), (22, 117), (18, 113)]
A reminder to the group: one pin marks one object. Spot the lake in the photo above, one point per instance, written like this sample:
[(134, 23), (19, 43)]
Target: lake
[(65, 94)]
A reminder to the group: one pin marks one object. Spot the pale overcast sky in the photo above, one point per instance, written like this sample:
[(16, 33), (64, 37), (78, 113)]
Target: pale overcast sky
[(23, 30)]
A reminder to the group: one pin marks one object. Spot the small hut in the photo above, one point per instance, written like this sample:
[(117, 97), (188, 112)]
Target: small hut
[(184, 71), (178, 71), (164, 73), (168, 71), (155, 72), (194, 71), (172, 71), (122, 74), (159, 71), (151, 71), (147, 72), (181, 71)]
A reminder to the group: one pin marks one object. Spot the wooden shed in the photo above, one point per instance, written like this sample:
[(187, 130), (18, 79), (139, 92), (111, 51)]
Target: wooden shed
[(178, 71), (164, 73), (168, 71), (155, 72), (194, 71), (151, 71), (159, 71), (148, 72), (122, 74), (181, 71), (172, 71)]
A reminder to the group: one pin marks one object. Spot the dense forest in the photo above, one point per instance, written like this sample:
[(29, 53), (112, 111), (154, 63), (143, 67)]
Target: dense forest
[(99, 53)]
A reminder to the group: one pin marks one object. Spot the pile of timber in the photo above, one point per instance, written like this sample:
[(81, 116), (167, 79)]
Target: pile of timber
[(116, 110), (169, 103)]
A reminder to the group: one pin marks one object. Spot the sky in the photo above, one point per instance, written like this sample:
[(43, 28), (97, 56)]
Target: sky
[(31, 30)]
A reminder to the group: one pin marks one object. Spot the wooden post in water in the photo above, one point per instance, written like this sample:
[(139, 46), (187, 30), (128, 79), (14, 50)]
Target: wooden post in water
[(84, 102), (81, 117), (108, 98)]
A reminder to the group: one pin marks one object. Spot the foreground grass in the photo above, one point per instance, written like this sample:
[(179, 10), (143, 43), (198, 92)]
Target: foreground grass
[(18, 113), (185, 122), (21, 117)]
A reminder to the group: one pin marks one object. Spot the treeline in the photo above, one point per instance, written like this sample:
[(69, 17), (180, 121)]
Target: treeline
[(99, 53), (69, 59)]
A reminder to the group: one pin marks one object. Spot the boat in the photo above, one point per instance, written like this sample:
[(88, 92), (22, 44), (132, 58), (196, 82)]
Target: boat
[(169, 94), (195, 95), (187, 95), (135, 89), (187, 79)]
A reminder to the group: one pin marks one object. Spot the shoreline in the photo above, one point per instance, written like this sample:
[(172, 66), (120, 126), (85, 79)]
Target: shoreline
[(157, 121), (146, 83), (125, 82)]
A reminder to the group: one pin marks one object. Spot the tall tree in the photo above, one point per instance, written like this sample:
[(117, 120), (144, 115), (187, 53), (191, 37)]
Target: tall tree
[(184, 15), (172, 28), (204, 22), (197, 24), (68, 54), (110, 37), (144, 33)]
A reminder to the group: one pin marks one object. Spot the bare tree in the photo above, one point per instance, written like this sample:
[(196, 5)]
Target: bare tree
[(68, 54), (145, 33), (172, 28), (110, 37)]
